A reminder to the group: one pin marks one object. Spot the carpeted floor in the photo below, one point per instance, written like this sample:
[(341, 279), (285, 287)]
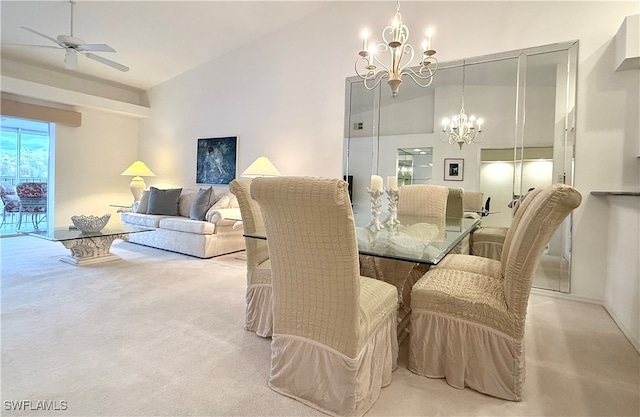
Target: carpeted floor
[(159, 334)]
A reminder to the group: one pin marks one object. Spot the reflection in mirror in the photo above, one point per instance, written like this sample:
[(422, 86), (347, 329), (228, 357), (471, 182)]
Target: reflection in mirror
[(414, 165), (527, 100)]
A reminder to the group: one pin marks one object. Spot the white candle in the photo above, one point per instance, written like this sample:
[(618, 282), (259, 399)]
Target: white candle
[(365, 36), (429, 35), (376, 182), (392, 182)]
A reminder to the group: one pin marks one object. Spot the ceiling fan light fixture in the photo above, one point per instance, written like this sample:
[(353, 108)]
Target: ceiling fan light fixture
[(70, 40), (71, 59)]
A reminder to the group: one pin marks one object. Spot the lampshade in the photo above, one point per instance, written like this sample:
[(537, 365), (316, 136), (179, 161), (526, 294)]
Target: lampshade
[(138, 169), (261, 167)]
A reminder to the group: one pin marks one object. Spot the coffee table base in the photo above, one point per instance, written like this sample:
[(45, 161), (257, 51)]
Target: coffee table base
[(91, 250)]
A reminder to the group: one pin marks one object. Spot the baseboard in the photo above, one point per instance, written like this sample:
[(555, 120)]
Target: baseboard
[(634, 343), (565, 296)]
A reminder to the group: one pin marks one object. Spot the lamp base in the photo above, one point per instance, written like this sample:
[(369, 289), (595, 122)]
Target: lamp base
[(137, 186)]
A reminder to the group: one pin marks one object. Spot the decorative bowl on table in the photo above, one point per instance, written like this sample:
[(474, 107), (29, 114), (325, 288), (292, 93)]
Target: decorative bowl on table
[(90, 223)]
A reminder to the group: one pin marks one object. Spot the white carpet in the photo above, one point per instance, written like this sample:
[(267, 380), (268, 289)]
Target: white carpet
[(159, 333)]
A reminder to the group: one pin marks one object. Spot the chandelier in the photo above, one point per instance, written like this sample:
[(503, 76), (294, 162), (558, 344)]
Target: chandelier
[(461, 129), (395, 38)]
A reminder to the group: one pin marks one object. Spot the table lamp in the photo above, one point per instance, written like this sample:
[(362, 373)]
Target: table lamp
[(138, 170), (261, 167)]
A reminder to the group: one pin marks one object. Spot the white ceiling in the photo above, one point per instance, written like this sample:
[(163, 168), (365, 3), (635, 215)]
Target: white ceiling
[(157, 40)]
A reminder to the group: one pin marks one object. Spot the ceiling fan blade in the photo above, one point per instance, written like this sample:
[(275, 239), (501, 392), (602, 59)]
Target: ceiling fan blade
[(31, 46), (95, 47), (71, 59), (43, 35), (108, 62)]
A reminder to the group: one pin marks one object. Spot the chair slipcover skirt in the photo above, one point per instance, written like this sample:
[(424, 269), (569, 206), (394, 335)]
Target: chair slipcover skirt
[(330, 381), (466, 354), (259, 313)]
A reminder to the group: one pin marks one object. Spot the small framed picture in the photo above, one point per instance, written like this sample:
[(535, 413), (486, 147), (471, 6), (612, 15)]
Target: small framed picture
[(453, 169), (216, 160)]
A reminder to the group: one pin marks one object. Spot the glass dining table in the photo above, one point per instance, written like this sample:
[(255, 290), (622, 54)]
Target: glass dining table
[(402, 253), (412, 240)]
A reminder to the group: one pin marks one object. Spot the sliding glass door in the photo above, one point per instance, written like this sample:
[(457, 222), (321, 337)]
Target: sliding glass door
[(24, 155)]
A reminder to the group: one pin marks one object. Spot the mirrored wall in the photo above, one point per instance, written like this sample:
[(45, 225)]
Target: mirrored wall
[(526, 99)]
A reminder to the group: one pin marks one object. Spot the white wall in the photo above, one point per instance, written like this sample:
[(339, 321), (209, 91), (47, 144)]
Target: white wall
[(88, 163), (622, 293)]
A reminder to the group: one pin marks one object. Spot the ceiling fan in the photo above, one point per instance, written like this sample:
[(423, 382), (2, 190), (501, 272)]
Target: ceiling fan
[(73, 46)]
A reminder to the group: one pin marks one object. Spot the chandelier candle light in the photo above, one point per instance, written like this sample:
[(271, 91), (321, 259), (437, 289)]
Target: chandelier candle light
[(375, 192), (395, 37), (462, 129)]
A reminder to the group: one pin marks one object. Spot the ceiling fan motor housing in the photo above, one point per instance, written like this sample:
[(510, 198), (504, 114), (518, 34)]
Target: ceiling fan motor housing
[(70, 41)]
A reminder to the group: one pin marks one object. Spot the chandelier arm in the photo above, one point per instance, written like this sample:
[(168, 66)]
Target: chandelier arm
[(427, 64), (417, 77), (386, 29), (377, 78), (381, 47), (356, 68), (406, 48)]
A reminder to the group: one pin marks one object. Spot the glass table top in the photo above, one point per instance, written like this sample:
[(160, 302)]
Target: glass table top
[(58, 234), (424, 242)]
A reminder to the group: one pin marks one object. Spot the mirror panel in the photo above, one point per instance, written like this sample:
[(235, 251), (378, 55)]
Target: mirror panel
[(527, 101)]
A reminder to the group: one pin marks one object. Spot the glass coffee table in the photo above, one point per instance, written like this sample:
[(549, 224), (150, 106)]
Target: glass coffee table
[(88, 248)]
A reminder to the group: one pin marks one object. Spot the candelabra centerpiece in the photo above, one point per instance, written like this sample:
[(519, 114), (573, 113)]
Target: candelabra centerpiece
[(375, 193), (395, 37), (392, 218)]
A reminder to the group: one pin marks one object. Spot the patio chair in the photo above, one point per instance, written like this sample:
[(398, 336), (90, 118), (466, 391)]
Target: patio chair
[(10, 201), (33, 201)]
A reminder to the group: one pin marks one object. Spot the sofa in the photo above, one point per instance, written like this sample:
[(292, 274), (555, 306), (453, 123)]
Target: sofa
[(200, 223)]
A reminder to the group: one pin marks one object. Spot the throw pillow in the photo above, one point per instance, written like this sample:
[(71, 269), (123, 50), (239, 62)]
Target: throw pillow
[(164, 201), (201, 203), (222, 202), (143, 204)]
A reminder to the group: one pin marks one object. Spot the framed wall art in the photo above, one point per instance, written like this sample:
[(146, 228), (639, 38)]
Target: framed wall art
[(216, 160), (453, 169)]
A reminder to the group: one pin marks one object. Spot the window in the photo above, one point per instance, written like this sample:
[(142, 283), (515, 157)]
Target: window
[(24, 151)]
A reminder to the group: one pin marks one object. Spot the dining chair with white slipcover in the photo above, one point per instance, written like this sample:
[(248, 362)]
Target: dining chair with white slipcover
[(468, 313), (259, 315), (334, 343)]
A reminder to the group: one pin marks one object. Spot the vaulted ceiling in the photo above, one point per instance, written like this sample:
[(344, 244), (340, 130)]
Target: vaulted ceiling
[(157, 40)]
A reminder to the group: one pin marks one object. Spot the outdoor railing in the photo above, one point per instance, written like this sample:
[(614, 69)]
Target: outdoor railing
[(15, 181)]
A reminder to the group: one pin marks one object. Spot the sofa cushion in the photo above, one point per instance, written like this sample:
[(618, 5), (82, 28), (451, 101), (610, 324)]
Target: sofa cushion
[(186, 225), (164, 201), (201, 203), (143, 204), (186, 200), (141, 219)]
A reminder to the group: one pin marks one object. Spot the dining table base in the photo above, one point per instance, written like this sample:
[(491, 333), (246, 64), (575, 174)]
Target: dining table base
[(401, 274)]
